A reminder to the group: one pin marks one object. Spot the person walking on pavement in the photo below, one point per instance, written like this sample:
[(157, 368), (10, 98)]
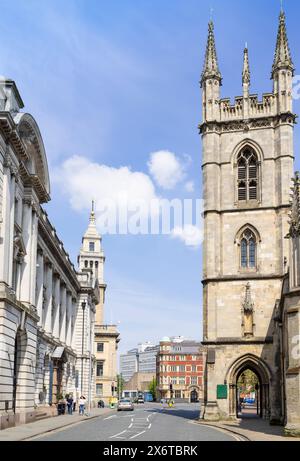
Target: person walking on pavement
[(81, 405), (70, 404)]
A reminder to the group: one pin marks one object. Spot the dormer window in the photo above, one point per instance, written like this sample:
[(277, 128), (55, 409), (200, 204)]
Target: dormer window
[(92, 246)]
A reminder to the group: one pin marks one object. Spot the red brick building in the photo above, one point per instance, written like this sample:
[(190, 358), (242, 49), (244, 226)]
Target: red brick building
[(180, 363)]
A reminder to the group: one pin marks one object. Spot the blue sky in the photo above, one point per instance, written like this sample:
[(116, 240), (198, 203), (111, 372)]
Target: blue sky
[(114, 81)]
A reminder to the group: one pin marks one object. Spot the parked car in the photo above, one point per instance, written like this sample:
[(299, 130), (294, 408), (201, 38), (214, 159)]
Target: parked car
[(125, 404), (140, 400)]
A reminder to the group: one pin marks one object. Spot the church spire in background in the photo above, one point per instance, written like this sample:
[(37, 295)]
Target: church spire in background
[(211, 67), (282, 59)]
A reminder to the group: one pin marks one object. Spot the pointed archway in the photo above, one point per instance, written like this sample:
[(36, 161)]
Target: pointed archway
[(257, 366)]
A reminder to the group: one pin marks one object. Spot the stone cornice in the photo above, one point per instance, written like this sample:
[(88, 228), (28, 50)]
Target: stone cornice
[(8, 296), (293, 371), (45, 233), (239, 209), (12, 137), (270, 159), (243, 277), (239, 124), (235, 341)]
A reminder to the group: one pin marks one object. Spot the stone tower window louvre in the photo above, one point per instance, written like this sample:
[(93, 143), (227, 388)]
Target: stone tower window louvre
[(247, 175)]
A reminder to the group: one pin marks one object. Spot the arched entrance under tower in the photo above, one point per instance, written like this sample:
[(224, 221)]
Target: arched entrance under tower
[(249, 388)]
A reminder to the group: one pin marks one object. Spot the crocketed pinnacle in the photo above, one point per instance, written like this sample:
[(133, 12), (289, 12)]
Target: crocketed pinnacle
[(282, 57), (246, 67), (211, 67), (248, 304)]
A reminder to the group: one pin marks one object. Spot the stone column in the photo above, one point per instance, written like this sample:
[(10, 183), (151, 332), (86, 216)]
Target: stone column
[(63, 302), (74, 314), (7, 229), (48, 305), (27, 267), (56, 295), (69, 319), (39, 285), (11, 216), (34, 256)]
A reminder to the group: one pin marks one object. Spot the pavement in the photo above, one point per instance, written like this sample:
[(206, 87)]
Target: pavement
[(149, 422), (252, 428), (26, 431)]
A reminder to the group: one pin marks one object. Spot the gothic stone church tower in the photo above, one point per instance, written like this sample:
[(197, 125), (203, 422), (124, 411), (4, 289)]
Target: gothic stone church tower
[(247, 170)]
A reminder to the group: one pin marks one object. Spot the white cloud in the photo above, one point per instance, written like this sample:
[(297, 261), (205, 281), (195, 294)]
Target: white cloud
[(190, 186), (84, 181), (166, 169), (190, 235)]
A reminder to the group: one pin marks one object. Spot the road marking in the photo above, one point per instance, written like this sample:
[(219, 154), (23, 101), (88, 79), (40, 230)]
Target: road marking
[(149, 427), (109, 417), (137, 435), (117, 434), (130, 425)]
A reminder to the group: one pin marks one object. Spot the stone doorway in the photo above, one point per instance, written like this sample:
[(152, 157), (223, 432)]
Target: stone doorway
[(248, 395), (253, 370)]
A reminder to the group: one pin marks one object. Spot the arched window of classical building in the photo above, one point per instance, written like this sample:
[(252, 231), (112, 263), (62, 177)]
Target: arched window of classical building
[(247, 166), (248, 256)]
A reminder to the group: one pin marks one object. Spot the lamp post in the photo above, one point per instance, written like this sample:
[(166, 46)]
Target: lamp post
[(90, 366), (83, 305)]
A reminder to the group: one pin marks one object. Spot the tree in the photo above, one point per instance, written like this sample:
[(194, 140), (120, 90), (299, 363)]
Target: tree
[(120, 385), (152, 388), (247, 381)]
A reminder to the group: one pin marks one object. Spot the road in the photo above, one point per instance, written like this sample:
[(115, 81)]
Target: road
[(148, 422)]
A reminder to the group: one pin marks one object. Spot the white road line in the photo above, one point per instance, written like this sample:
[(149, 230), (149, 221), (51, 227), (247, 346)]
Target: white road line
[(137, 435), (130, 425), (149, 427), (117, 434), (109, 417)]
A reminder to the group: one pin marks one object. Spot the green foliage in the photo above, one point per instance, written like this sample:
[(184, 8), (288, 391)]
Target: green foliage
[(247, 381), (120, 384), (152, 388)]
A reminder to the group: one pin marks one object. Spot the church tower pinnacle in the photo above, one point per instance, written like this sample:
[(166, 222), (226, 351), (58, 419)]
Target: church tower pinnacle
[(246, 72), (282, 58), (283, 69), (211, 66), (211, 78)]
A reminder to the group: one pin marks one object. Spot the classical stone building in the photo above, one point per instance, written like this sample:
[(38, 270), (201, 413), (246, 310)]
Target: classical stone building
[(247, 169), (47, 308)]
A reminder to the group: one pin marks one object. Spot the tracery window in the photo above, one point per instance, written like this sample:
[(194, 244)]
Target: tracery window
[(248, 250), (247, 164)]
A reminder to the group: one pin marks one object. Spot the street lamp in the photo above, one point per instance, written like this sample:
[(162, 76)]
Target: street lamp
[(83, 305)]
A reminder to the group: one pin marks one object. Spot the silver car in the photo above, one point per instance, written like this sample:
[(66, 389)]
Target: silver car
[(125, 404)]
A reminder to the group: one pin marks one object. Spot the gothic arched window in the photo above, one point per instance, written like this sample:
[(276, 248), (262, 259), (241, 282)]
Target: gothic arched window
[(248, 250), (247, 164)]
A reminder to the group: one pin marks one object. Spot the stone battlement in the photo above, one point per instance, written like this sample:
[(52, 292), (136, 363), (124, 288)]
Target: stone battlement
[(247, 107)]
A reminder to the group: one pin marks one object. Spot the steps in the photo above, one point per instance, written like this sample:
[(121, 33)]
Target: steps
[(45, 412)]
